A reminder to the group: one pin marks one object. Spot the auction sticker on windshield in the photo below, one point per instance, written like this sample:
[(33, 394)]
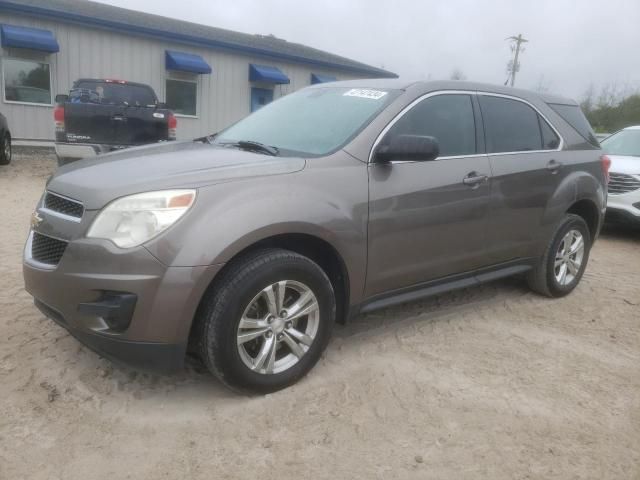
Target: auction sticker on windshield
[(365, 93)]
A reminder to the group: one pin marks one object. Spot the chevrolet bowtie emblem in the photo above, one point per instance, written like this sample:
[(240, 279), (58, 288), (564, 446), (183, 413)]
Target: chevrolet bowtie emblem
[(36, 219)]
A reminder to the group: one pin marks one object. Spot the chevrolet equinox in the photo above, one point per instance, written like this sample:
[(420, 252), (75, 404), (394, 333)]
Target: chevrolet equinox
[(246, 246)]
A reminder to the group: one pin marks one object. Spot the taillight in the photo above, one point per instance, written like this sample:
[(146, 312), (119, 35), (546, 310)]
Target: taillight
[(172, 124), (605, 161), (58, 117)]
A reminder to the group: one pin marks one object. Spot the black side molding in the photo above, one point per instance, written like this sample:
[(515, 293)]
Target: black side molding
[(447, 284)]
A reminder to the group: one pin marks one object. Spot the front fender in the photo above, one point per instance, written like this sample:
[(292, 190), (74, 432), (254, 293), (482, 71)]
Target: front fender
[(327, 201)]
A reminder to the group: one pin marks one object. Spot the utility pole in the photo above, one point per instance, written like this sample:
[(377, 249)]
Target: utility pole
[(514, 65)]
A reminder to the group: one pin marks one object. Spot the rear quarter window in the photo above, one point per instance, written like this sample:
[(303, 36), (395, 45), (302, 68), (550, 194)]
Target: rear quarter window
[(572, 114)]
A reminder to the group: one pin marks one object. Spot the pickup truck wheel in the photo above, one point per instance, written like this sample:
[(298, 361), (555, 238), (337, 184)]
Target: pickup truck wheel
[(560, 269), (5, 154), (266, 322)]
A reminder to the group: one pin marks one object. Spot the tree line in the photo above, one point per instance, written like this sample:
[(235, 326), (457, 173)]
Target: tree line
[(611, 109)]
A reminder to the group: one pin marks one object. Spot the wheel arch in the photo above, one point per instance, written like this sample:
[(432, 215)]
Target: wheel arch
[(588, 211), (311, 246)]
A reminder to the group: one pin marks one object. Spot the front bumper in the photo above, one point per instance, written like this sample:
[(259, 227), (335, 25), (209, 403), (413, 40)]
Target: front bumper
[(146, 356), (624, 207), (154, 336)]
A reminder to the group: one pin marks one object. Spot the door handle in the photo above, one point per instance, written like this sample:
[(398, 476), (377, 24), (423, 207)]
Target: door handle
[(554, 166), (474, 179), (119, 118)]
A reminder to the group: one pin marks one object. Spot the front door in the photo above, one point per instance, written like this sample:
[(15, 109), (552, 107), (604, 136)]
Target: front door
[(425, 220), (260, 97)]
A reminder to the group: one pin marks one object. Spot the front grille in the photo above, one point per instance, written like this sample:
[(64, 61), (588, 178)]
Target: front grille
[(620, 183), (46, 249), (63, 205)]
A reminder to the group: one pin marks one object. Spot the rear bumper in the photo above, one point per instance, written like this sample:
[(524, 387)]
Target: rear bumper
[(76, 151)]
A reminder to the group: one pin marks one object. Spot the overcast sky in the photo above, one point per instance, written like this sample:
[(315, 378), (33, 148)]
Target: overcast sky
[(572, 43)]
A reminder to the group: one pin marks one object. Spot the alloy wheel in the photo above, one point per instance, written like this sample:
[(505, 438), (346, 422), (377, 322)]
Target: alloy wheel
[(569, 257), (278, 327)]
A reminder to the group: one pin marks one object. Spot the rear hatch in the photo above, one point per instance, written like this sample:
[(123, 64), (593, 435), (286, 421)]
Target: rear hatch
[(114, 113)]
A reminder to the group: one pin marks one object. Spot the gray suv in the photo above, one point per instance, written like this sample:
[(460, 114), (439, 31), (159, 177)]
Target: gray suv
[(246, 246)]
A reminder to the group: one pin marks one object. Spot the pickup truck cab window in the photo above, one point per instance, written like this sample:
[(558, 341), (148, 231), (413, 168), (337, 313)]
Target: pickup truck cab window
[(119, 93)]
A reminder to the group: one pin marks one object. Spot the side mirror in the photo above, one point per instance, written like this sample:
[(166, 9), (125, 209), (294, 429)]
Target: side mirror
[(62, 98), (417, 148)]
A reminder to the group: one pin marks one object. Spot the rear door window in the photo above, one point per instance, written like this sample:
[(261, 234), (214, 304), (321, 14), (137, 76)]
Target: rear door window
[(447, 117), (573, 115), (550, 139), (510, 125)]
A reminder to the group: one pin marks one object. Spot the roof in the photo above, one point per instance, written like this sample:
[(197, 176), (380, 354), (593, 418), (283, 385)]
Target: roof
[(398, 84), (99, 15)]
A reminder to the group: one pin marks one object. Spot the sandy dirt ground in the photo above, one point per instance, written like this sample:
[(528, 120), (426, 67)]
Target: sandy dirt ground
[(492, 382)]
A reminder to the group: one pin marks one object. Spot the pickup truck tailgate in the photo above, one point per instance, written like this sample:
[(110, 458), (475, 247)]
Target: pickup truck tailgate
[(114, 124)]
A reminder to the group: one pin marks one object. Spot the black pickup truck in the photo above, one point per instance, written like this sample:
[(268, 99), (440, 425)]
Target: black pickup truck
[(102, 115)]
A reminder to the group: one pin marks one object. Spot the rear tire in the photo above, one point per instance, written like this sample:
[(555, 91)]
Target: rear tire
[(258, 297), (5, 150), (565, 259)]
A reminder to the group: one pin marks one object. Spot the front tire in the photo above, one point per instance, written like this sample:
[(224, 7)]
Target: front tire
[(266, 321), (5, 150), (561, 267)]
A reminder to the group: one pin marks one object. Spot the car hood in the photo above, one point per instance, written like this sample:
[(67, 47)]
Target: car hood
[(97, 181), (624, 164)]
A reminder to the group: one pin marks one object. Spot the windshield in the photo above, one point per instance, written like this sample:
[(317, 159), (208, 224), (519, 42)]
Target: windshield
[(311, 122), (625, 142), (118, 93)]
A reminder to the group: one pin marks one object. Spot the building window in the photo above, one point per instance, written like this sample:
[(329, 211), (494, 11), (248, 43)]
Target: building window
[(260, 97), (182, 96), (26, 81)]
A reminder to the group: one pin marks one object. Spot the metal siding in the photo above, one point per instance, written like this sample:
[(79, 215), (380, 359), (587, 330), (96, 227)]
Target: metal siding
[(223, 96)]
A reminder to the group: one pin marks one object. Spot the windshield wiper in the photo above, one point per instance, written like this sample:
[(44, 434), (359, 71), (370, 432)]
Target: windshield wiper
[(206, 138), (250, 145)]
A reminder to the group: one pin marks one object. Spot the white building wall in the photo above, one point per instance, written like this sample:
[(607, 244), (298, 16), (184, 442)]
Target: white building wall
[(223, 96)]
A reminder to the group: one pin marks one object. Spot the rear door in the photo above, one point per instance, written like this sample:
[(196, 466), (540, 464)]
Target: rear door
[(526, 161), (425, 220)]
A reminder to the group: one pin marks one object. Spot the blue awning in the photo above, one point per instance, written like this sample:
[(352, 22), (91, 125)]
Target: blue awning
[(185, 62), (317, 78), (26, 37), (266, 74)]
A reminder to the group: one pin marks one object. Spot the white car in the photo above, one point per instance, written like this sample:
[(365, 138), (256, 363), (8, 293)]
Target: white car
[(623, 148)]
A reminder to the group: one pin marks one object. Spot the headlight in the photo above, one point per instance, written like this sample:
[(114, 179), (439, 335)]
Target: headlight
[(131, 221)]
